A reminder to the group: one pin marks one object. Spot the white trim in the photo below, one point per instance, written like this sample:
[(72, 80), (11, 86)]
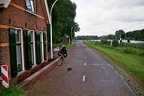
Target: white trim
[(4, 3), (22, 50), (32, 6), (42, 48), (34, 49), (46, 46), (47, 10)]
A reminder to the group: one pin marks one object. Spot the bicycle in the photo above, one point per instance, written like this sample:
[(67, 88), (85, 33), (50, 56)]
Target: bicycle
[(62, 54), (60, 61)]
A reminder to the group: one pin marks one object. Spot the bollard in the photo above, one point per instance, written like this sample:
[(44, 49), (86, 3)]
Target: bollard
[(4, 75)]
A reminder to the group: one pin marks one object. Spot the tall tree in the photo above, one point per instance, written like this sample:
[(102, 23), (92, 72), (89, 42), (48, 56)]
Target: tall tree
[(63, 15), (119, 33)]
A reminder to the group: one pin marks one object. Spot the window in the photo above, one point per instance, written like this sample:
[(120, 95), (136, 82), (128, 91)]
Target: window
[(29, 48), (16, 51), (39, 47), (31, 5), (33, 48)]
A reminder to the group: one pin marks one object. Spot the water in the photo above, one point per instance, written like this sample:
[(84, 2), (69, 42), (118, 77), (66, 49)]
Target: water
[(133, 41), (125, 41)]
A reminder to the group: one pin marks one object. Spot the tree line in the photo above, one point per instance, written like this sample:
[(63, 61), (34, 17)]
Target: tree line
[(87, 37), (131, 35), (120, 34)]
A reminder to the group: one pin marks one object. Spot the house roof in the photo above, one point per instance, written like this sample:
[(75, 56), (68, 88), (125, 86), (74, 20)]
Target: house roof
[(66, 36), (4, 3)]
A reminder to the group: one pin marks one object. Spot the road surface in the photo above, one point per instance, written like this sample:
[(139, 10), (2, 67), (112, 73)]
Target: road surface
[(83, 73)]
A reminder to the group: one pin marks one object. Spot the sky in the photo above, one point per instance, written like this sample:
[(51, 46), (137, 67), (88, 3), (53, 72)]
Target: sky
[(104, 17)]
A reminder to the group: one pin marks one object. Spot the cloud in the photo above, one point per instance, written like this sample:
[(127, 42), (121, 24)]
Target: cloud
[(103, 17)]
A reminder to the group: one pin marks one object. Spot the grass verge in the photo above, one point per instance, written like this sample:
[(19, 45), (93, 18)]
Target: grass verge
[(12, 91), (69, 46)]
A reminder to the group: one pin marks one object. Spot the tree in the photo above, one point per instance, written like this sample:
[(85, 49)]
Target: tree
[(63, 16), (119, 34), (115, 43)]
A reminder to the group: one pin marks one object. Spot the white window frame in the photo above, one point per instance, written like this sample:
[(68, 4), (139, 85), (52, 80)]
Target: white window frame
[(22, 49), (34, 54), (42, 46), (31, 6)]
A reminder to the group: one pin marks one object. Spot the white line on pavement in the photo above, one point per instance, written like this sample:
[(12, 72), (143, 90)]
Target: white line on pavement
[(84, 63), (84, 78)]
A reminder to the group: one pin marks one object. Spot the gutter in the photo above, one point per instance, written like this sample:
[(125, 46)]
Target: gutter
[(47, 10)]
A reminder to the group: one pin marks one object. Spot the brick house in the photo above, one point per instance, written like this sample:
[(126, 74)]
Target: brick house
[(23, 35)]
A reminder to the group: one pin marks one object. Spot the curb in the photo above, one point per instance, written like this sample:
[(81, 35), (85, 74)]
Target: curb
[(29, 82)]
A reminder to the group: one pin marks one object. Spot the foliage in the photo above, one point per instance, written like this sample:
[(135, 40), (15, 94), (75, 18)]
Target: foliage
[(110, 36), (12, 91), (106, 42), (132, 48), (63, 15), (136, 35), (133, 45), (129, 48), (115, 43), (119, 33), (57, 45), (91, 37), (69, 46)]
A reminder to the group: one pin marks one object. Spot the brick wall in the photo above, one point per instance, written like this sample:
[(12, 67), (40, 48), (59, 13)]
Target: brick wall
[(17, 16)]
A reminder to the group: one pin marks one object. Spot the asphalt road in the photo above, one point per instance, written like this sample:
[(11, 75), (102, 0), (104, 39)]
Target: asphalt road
[(83, 73)]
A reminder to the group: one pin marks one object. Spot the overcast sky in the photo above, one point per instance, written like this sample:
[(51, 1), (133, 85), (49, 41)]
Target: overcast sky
[(104, 17)]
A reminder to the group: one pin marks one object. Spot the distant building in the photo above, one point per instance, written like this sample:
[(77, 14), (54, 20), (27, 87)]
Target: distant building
[(23, 34), (66, 39)]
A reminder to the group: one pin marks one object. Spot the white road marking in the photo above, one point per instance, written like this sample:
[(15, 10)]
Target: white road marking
[(85, 64), (84, 78)]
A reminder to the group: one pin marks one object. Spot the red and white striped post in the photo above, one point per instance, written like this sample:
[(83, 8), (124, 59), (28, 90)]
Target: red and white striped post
[(4, 74)]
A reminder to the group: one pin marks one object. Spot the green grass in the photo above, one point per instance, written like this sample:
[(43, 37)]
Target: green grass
[(133, 64), (69, 46), (12, 91)]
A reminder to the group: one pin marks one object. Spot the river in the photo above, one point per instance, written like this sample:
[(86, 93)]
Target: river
[(125, 41)]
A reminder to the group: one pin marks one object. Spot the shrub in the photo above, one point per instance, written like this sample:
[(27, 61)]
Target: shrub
[(105, 42), (57, 45), (115, 43), (128, 50)]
